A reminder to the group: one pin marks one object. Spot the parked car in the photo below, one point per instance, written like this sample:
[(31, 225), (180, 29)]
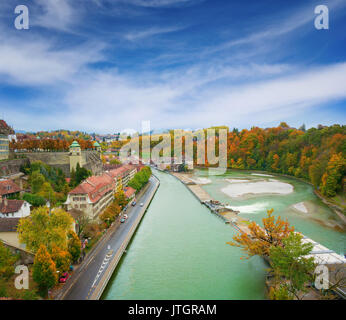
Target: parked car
[(125, 216), (64, 277), (133, 203), (122, 220)]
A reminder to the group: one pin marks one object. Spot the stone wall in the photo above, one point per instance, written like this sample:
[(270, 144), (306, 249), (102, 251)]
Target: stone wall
[(90, 160), (25, 257), (11, 167)]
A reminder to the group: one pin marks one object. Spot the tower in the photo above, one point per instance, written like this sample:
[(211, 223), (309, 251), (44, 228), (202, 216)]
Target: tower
[(97, 147), (75, 155)]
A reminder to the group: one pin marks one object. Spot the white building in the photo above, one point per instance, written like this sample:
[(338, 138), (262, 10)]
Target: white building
[(14, 208)]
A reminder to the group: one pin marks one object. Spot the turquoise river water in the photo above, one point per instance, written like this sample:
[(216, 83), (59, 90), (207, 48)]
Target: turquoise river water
[(179, 250)]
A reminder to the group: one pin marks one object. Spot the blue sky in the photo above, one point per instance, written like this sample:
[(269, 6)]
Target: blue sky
[(105, 66)]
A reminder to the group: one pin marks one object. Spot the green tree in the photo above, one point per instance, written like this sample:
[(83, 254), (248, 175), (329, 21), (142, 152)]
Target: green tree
[(74, 246), (36, 181), (7, 261), (79, 175), (291, 268), (34, 199)]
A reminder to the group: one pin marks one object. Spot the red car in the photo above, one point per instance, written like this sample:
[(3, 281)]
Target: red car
[(64, 277)]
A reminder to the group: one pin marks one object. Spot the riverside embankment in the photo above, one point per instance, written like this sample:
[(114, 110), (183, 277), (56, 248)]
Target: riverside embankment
[(92, 276), (180, 252)]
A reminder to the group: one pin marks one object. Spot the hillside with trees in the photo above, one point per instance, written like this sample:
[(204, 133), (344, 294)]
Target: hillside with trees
[(316, 155)]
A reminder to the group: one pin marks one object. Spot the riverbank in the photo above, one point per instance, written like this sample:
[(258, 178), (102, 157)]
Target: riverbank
[(91, 277), (337, 209)]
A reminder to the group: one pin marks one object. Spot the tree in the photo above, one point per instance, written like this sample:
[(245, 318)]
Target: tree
[(61, 258), (7, 261), (121, 199), (109, 215), (82, 221), (140, 179), (41, 228), (261, 239), (36, 181), (47, 192), (74, 246), (34, 199), (79, 175), (291, 268), (44, 270), (331, 179)]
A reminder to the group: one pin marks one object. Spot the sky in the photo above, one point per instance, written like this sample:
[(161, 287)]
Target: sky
[(107, 65)]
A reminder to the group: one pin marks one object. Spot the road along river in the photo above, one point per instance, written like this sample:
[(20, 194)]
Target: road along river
[(180, 251)]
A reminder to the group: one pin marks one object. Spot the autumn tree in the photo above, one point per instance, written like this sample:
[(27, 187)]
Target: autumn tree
[(62, 258), (261, 239), (44, 270), (40, 228), (121, 199), (110, 214), (331, 179)]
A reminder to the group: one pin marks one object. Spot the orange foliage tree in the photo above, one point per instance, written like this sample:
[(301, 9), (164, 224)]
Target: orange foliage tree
[(261, 239)]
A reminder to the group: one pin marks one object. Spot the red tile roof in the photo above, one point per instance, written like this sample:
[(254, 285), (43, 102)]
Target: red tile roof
[(117, 173), (129, 192), (95, 187), (5, 128), (8, 187), (9, 224), (11, 207)]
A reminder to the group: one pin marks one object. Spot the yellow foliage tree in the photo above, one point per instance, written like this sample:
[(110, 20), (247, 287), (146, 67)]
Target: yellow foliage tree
[(261, 239), (41, 228)]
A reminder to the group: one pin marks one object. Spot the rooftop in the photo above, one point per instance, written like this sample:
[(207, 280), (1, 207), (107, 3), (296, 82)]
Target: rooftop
[(129, 192), (75, 144), (8, 187), (5, 128), (95, 187), (10, 206), (9, 224)]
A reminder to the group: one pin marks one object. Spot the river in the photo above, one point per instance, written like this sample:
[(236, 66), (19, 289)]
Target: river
[(179, 250)]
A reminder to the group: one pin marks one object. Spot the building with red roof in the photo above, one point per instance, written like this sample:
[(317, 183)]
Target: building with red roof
[(13, 208), (92, 196), (8, 188), (129, 192)]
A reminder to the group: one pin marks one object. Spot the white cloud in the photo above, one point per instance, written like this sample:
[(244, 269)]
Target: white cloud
[(109, 101), (138, 35), (54, 14), (35, 62)]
